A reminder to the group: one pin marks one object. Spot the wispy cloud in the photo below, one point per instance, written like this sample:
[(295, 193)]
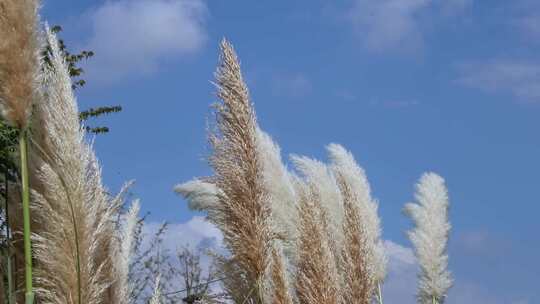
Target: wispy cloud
[(526, 16), (384, 25), (196, 232), (400, 285), (133, 37), (293, 85), (395, 103), (520, 79)]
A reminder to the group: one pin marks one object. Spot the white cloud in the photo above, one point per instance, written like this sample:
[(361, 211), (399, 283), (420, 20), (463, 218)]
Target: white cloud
[(520, 79), (395, 103), (399, 287), (385, 24), (133, 37), (295, 85), (194, 233), (472, 293), (395, 24), (526, 16), (453, 7), (530, 24), (400, 284)]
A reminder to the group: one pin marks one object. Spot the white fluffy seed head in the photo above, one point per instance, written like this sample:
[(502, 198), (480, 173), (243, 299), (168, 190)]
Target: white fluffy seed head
[(277, 181), (430, 236), (201, 195), (70, 202), (344, 165), (322, 181), (127, 244)]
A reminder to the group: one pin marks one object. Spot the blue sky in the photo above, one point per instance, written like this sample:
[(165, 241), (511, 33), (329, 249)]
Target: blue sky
[(407, 85)]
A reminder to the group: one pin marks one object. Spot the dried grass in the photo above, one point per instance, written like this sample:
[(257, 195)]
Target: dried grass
[(19, 59), (243, 209), (74, 242), (317, 278)]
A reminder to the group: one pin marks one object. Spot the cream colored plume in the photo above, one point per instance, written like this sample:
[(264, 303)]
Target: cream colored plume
[(317, 279), (364, 259), (323, 184), (279, 186), (430, 237), (73, 243), (243, 212), (250, 197), (20, 50), (126, 238)]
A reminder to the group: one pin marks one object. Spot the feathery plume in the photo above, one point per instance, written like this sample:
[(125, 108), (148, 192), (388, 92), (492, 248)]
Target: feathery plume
[(250, 198), (126, 239), (202, 195), (362, 227), (19, 89), (430, 237), (19, 60), (324, 185), (280, 281), (278, 184), (317, 279), (358, 280), (244, 210), (74, 247)]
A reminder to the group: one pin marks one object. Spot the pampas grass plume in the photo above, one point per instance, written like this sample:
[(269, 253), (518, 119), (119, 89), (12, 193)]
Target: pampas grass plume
[(19, 60), (430, 237), (364, 265), (124, 257), (74, 250)]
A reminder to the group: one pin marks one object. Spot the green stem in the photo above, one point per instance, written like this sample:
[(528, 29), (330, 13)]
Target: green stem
[(434, 300), (23, 151)]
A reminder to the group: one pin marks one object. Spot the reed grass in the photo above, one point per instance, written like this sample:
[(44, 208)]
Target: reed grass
[(317, 277), (74, 244), (430, 237), (364, 259), (321, 227), (19, 83), (244, 210), (280, 282), (124, 255)]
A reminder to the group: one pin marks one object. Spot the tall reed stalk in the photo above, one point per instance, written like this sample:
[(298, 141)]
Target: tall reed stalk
[(19, 83), (23, 151)]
